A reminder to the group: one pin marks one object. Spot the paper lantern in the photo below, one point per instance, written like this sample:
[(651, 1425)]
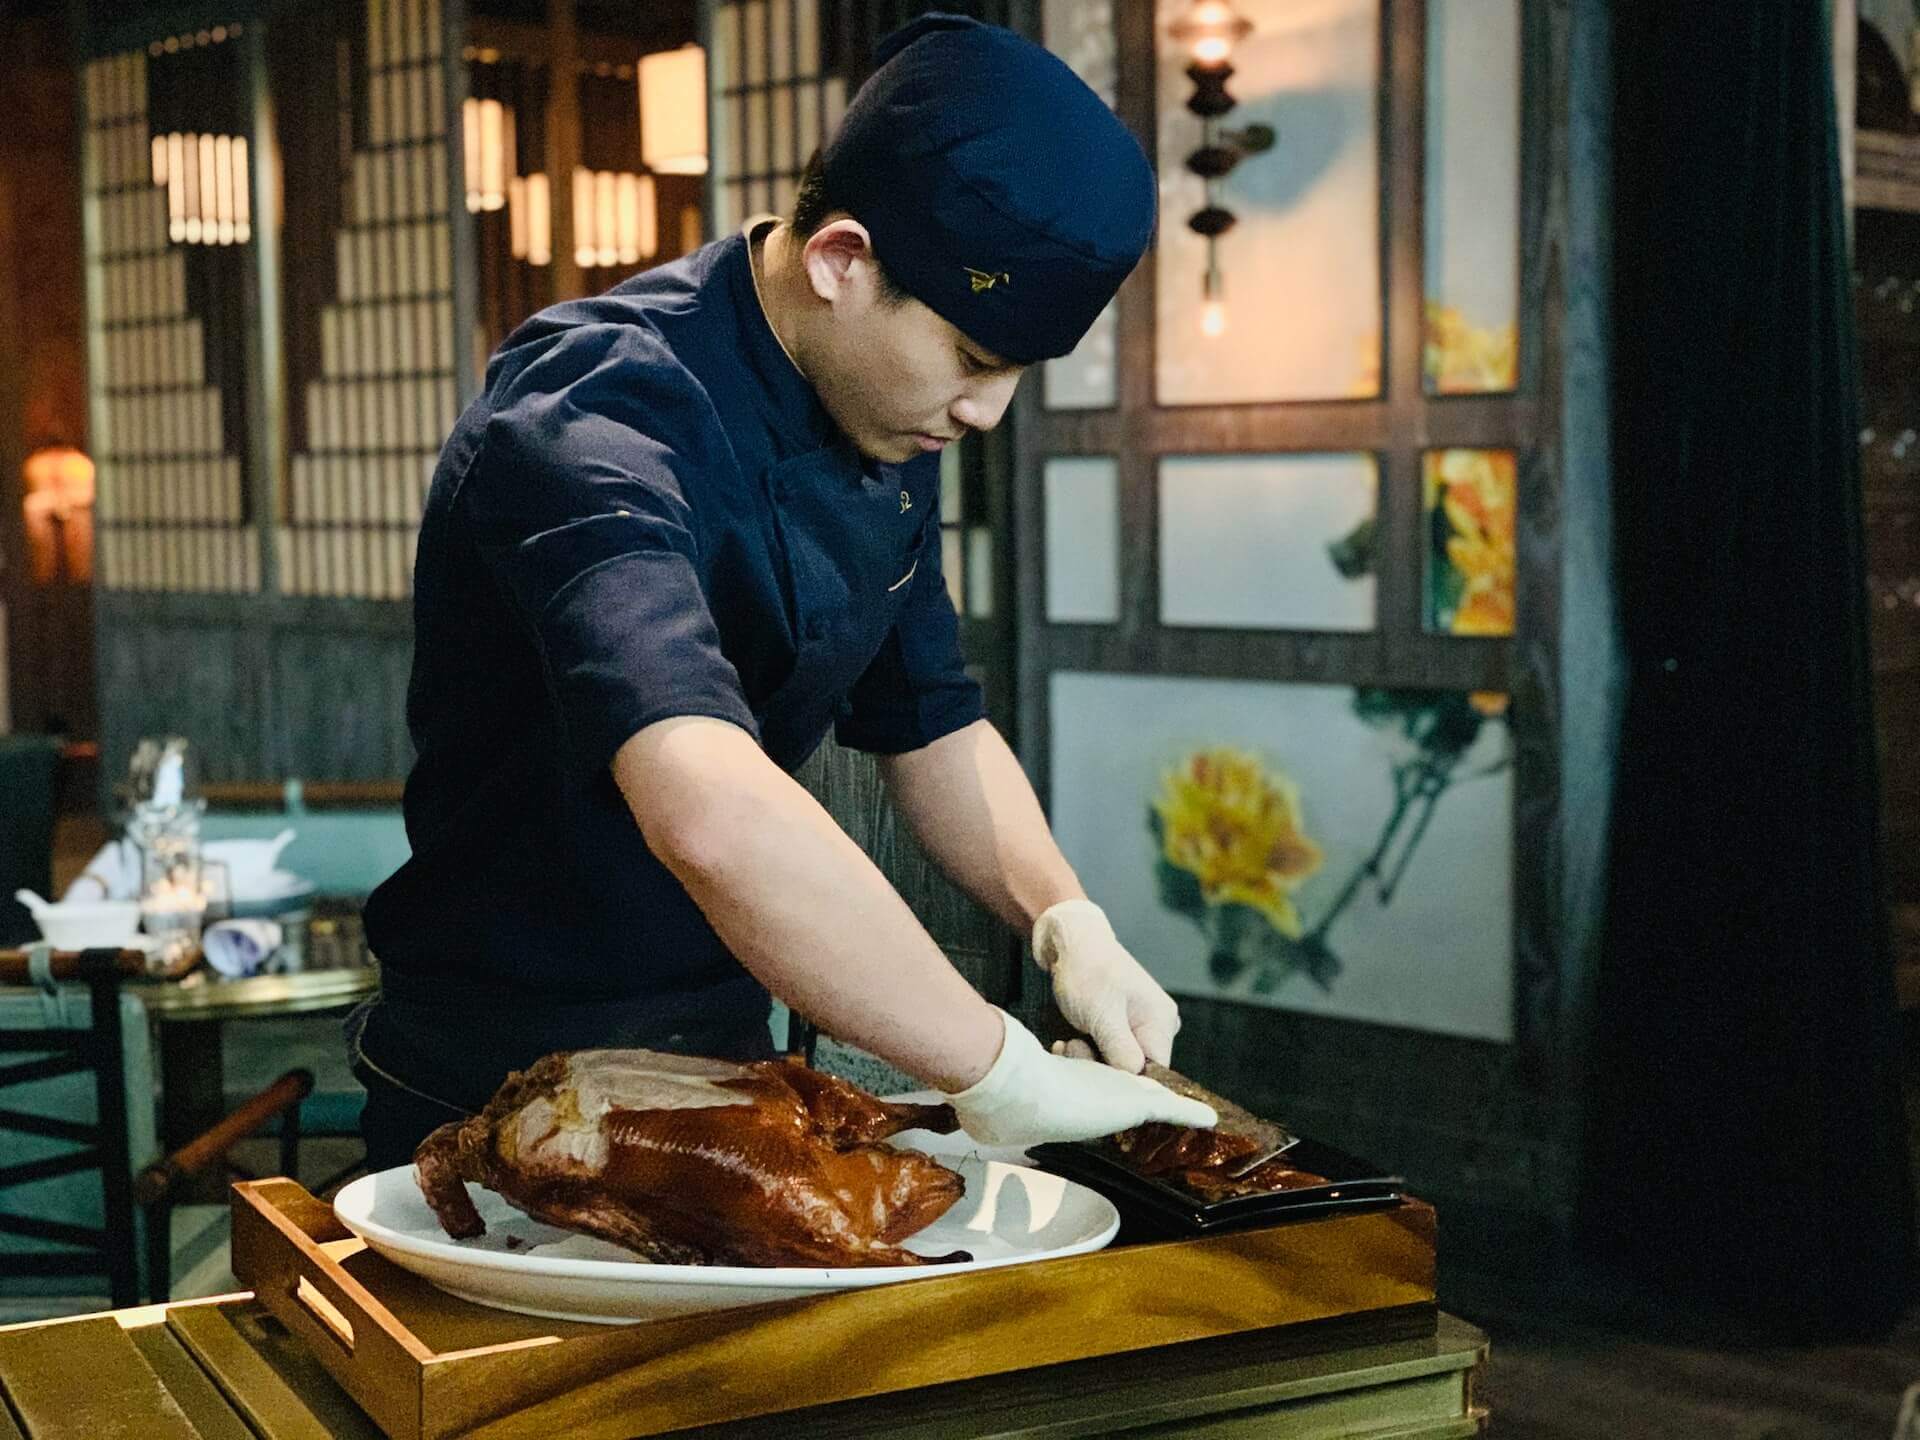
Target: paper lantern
[(673, 111)]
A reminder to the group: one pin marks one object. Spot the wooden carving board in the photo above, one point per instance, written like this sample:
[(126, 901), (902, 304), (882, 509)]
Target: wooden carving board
[(427, 1366)]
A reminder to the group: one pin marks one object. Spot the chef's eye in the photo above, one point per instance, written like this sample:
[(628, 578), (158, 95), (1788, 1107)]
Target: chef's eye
[(973, 364)]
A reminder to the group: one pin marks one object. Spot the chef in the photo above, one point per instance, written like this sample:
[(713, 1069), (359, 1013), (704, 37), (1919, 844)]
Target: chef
[(690, 526)]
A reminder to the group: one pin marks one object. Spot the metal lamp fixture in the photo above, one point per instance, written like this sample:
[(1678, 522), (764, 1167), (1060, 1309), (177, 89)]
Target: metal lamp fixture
[(1210, 29)]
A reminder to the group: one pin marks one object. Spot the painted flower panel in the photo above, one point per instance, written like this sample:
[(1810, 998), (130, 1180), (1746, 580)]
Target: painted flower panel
[(1321, 848), (1467, 359), (1470, 508), (1233, 826), (1471, 219)]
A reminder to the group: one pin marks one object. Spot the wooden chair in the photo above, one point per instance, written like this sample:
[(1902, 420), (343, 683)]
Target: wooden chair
[(87, 1040), (154, 1188)]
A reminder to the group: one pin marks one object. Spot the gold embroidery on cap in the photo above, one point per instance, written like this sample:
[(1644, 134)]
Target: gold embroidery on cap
[(986, 280), (906, 502)]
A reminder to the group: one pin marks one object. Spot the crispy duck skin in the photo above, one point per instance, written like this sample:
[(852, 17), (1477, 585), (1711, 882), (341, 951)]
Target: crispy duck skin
[(1200, 1161), (693, 1161)]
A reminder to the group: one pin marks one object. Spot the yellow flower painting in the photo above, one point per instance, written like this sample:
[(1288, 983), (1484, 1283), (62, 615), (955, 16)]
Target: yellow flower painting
[(1231, 852), (1470, 502), (1234, 826), (1465, 359)]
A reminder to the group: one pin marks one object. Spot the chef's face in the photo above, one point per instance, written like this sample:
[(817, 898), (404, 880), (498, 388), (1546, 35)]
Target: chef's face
[(897, 378)]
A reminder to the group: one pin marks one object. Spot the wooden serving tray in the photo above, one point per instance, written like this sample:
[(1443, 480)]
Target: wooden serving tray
[(425, 1365)]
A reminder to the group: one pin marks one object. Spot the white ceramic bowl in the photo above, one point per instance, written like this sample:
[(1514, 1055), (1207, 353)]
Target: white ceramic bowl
[(251, 864), (89, 924)]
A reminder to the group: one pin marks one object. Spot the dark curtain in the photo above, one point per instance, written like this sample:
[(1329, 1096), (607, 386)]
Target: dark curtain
[(1748, 1144)]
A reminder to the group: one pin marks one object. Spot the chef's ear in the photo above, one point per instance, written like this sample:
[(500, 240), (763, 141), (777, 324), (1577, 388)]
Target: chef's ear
[(840, 262)]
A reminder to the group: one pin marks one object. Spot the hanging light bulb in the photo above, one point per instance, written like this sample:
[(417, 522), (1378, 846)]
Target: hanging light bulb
[(1213, 308)]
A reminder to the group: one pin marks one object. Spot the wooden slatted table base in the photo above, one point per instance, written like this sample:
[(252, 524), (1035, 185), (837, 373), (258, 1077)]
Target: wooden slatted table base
[(429, 1367), (235, 1373), (1242, 1385)]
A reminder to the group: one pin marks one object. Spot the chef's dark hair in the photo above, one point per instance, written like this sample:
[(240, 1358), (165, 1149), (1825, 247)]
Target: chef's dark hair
[(814, 203)]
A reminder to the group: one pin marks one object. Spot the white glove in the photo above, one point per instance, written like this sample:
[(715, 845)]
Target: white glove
[(1101, 989), (1029, 1097)]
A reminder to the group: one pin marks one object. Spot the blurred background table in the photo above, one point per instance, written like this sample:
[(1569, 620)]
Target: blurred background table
[(191, 1015)]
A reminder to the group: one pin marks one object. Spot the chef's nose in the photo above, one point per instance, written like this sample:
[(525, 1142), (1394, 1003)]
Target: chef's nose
[(981, 407)]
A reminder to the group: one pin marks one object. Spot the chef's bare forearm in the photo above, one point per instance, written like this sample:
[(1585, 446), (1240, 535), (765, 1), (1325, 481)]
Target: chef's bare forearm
[(799, 904), (974, 812)]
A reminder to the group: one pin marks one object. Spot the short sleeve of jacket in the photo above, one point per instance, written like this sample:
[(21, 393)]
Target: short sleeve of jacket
[(577, 504), (917, 688)]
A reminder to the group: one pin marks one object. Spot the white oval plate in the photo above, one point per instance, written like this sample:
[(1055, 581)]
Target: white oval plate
[(1009, 1214)]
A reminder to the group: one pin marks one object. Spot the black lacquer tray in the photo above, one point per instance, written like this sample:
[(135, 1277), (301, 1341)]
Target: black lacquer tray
[(1161, 1206)]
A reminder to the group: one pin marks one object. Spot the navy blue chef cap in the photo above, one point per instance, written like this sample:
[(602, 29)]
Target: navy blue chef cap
[(996, 187)]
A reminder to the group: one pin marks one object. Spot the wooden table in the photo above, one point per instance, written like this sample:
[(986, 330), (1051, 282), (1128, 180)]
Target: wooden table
[(226, 1369), (190, 1015)]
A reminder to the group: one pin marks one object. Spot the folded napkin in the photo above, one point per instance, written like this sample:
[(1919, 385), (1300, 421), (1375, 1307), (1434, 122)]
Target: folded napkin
[(237, 948)]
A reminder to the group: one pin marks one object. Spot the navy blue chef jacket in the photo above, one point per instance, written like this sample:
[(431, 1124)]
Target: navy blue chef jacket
[(648, 513)]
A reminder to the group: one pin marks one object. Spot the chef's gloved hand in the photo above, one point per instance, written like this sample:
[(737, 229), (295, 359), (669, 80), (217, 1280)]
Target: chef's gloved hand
[(1101, 989), (1030, 1097)]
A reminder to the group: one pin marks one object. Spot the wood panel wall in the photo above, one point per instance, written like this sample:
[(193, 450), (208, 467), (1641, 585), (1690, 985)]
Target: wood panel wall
[(326, 347), (273, 688), (46, 650)]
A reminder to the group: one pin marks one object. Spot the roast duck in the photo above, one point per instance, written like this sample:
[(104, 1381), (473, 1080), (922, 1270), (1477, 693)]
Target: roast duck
[(693, 1161), (684, 1160), (1244, 1155)]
